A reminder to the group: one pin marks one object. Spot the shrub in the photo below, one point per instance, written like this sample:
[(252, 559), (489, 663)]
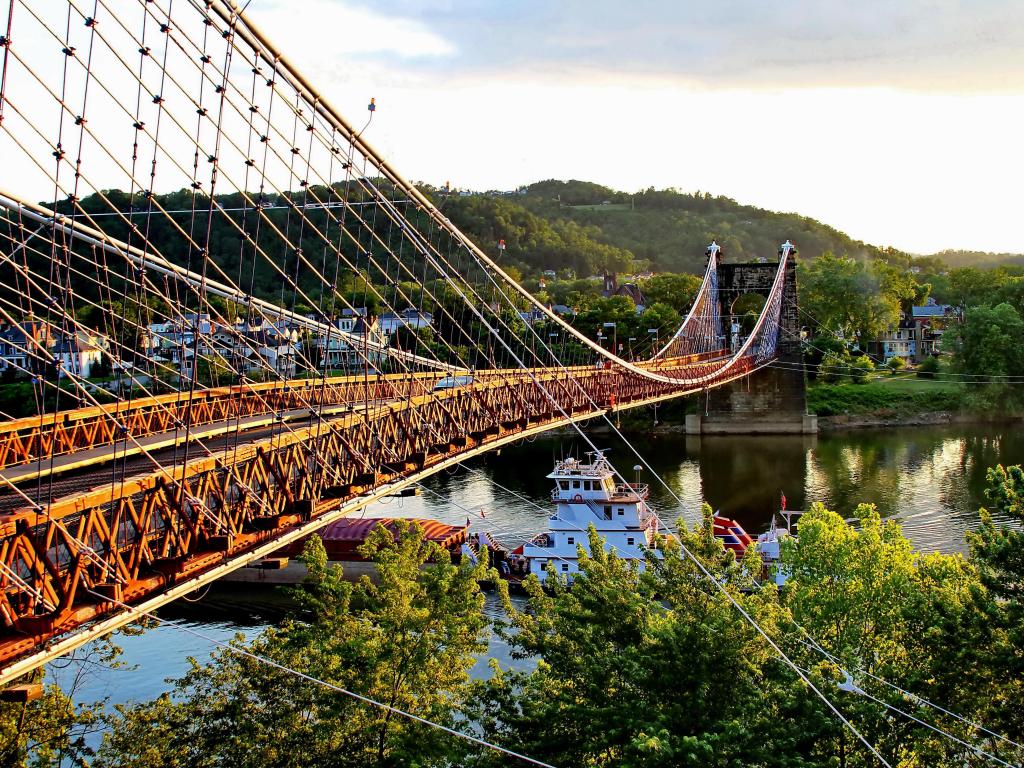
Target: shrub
[(861, 369), (928, 368), (833, 367), (895, 364)]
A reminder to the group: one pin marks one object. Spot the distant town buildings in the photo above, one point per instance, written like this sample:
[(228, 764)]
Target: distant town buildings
[(254, 348)]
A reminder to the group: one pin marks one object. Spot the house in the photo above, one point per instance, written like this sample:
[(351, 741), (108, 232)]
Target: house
[(269, 351), (563, 310), (362, 344), (407, 318), (931, 320), (532, 316), (81, 352), (900, 341), (22, 344), (629, 290), (918, 335)]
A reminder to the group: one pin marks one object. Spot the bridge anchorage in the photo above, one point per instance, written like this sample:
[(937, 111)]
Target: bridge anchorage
[(252, 390)]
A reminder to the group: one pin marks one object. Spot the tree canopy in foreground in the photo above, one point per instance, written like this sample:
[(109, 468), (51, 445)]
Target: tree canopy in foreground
[(660, 666)]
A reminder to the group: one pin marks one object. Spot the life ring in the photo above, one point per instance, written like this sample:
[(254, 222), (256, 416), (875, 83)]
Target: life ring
[(577, 497)]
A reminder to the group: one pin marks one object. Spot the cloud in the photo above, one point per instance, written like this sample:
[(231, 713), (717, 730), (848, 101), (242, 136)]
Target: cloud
[(922, 44), (345, 42)]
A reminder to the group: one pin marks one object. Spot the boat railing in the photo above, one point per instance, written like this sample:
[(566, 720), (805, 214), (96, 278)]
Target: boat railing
[(640, 490)]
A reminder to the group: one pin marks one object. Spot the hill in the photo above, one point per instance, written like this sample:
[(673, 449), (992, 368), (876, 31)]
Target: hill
[(547, 225)]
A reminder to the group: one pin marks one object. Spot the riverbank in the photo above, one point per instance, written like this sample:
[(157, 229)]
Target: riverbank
[(882, 402), (901, 401)]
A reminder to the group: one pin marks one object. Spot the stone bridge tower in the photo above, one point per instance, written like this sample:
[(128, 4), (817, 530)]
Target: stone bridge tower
[(773, 400)]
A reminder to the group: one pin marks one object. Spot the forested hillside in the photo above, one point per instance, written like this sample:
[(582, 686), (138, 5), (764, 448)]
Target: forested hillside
[(670, 229), (586, 227), (565, 226)]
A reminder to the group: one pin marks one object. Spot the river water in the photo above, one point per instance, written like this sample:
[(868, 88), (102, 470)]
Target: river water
[(931, 479)]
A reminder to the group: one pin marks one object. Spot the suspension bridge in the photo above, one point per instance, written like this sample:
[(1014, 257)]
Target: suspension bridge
[(223, 311)]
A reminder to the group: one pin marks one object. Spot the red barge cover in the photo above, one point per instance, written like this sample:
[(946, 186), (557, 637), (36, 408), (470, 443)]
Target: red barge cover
[(343, 537), (732, 534)]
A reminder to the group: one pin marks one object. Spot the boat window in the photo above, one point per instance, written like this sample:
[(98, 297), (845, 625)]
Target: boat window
[(630, 541), (565, 566), (621, 511), (607, 513), (586, 485), (570, 540), (563, 484), (575, 483)]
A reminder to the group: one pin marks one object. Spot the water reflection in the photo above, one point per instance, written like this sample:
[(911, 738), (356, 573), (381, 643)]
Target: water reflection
[(930, 478)]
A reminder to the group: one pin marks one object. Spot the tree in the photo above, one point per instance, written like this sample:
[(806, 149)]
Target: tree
[(971, 286), (54, 729), (880, 608), (928, 368), (856, 299), (989, 342), (649, 668), (407, 641), (998, 552), (861, 369), (895, 365), (677, 291)]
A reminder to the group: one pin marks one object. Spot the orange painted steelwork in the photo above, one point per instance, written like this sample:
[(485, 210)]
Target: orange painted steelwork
[(128, 541)]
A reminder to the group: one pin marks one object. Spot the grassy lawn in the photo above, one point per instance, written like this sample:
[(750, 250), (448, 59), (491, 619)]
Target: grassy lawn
[(886, 395), (908, 382)]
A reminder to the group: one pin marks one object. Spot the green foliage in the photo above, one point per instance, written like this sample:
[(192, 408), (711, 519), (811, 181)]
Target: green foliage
[(670, 229), (50, 731), (841, 367), (54, 729), (855, 298), (533, 241), (861, 368), (407, 641), (895, 365), (647, 669), (676, 291), (833, 367), (879, 608), (882, 399), (989, 342), (928, 367), (998, 552)]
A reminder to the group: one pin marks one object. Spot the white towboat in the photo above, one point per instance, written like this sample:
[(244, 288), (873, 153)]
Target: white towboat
[(586, 494)]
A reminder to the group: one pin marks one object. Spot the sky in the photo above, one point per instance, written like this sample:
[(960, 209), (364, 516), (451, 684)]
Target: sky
[(897, 122)]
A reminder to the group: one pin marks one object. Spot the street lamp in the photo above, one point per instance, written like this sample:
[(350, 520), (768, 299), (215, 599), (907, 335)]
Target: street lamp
[(551, 346), (629, 344), (655, 332), (615, 336)]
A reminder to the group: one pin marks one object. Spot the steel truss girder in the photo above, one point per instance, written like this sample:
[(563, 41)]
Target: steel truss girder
[(134, 541)]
